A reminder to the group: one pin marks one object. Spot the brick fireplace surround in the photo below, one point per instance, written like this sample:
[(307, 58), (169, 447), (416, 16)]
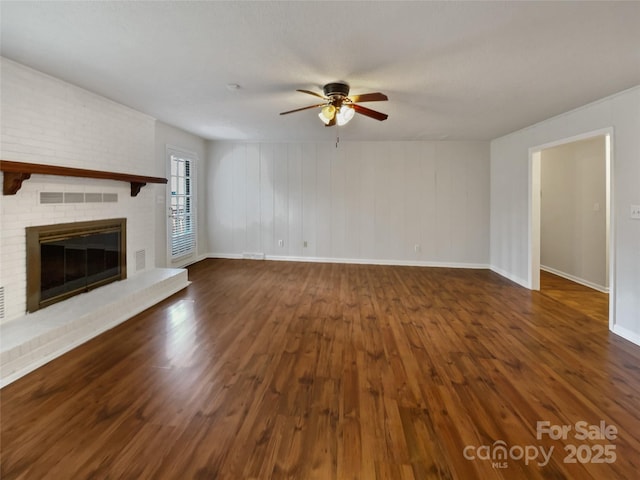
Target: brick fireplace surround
[(47, 121)]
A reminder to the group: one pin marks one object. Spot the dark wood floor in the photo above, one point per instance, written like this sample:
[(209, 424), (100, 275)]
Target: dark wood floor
[(586, 300), (276, 370)]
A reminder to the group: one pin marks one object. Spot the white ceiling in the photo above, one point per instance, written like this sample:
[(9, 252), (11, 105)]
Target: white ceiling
[(452, 70)]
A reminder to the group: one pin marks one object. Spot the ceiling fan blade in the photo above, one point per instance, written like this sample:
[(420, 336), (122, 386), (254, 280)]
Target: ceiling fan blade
[(369, 97), (312, 93), (369, 113), (304, 108)]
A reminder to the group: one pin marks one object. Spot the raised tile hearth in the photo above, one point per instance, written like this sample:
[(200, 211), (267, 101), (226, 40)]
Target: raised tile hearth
[(32, 340)]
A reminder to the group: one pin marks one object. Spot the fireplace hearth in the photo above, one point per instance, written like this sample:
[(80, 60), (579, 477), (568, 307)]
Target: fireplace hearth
[(64, 260)]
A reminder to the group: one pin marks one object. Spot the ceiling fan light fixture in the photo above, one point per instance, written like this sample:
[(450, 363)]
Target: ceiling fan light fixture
[(345, 114), (338, 108), (328, 112), (324, 119)]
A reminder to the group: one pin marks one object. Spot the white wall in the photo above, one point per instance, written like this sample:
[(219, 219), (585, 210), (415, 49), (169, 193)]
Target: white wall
[(45, 120), (510, 226), (172, 136), (573, 237), (364, 201)]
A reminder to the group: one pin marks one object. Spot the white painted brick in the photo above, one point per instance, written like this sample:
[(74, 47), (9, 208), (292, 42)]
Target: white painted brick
[(45, 120)]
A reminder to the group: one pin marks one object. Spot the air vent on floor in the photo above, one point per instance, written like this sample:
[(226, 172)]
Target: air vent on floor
[(253, 255), (1, 302), (141, 260), (77, 197)]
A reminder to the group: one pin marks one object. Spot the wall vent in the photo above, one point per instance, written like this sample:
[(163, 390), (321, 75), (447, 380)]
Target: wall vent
[(1, 303), (51, 197), (93, 197), (73, 197), (141, 260), (77, 197)]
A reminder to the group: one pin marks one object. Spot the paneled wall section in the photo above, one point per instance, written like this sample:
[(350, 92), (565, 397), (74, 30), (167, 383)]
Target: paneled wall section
[(379, 202)]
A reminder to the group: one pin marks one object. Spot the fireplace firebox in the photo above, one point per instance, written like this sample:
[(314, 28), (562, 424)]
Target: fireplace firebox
[(64, 260)]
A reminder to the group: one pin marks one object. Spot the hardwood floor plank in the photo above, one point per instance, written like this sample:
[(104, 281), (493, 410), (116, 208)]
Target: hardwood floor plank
[(283, 370), (588, 301)]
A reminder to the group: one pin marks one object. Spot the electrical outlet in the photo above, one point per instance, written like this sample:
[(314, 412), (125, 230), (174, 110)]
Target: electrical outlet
[(281, 243), (304, 244), (635, 212), (416, 247)]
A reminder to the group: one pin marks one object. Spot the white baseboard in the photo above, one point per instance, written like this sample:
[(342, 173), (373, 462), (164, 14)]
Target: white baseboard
[(509, 276), (231, 256), (575, 279), (360, 261), (627, 334)]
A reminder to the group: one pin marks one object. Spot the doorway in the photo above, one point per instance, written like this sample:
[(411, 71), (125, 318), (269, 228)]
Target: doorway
[(181, 227), (570, 215)]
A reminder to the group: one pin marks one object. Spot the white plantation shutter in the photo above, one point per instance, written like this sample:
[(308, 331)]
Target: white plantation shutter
[(182, 228)]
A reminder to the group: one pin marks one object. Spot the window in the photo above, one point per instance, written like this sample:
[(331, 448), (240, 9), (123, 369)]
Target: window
[(181, 218)]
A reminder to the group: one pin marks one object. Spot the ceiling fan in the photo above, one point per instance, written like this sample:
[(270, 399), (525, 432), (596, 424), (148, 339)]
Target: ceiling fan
[(339, 108)]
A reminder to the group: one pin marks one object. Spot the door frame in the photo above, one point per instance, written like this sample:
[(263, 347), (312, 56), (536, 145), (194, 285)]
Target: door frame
[(193, 156), (535, 155)]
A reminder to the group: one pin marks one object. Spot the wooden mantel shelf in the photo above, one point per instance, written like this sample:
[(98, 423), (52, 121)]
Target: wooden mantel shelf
[(17, 172)]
